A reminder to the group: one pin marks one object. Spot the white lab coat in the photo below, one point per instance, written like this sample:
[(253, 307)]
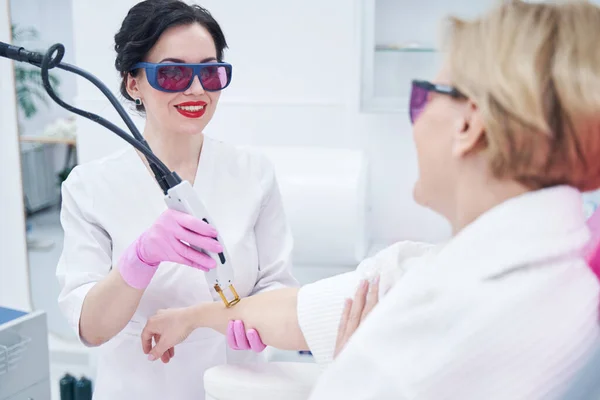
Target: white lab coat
[(507, 309), (108, 203)]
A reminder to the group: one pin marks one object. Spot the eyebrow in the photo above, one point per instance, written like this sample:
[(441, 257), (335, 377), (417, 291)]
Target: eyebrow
[(177, 60)]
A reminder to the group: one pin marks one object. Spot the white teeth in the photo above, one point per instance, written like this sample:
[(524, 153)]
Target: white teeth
[(191, 108)]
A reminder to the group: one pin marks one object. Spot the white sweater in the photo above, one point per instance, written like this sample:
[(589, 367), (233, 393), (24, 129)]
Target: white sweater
[(321, 303), (507, 309)]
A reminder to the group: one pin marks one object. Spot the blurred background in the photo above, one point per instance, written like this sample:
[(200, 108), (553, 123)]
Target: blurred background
[(329, 75)]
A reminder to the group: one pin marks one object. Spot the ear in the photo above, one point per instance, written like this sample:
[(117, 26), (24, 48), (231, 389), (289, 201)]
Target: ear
[(470, 131), (133, 86)]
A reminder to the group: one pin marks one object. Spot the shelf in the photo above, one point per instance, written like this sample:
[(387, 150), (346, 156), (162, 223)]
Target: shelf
[(404, 49), (48, 140), (400, 41)]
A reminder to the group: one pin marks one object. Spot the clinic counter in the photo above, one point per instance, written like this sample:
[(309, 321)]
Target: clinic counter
[(24, 358)]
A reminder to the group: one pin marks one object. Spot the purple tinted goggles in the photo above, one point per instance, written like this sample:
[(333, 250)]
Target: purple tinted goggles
[(420, 94)]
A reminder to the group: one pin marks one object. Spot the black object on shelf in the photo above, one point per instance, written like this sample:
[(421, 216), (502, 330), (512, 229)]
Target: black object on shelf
[(83, 389), (67, 387)]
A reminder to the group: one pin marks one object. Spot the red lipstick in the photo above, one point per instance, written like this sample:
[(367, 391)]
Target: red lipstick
[(191, 109)]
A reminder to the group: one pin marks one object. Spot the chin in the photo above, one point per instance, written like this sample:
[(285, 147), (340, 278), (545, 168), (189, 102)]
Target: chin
[(192, 127), (417, 193), (187, 125)]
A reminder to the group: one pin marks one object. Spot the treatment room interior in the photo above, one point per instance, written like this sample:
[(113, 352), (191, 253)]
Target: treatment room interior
[(319, 86)]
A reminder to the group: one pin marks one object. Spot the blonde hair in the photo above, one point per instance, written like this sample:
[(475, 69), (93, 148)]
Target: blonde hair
[(533, 70)]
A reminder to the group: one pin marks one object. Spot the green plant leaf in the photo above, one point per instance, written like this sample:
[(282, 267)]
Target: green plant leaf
[(25, 102), (64, 174), (22, 34), (29, 85), (30, 89)]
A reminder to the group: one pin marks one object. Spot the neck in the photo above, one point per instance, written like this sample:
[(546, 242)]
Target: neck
[(180, 153), (474, 198)]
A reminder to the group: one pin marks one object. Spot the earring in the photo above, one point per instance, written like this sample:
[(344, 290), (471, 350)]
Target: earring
[(138, 102)]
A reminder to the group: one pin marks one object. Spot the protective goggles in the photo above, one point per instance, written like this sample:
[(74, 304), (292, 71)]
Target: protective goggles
[(420, 94), (178, 77)]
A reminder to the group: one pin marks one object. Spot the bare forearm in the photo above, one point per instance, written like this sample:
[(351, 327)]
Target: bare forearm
[(107, 308), (273, 314)]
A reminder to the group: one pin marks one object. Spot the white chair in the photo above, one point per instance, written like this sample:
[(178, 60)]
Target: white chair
[(325, 195), (272, 381)]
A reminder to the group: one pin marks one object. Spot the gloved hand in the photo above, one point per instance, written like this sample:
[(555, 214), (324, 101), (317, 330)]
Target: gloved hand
[(163, 242), (240, 339)]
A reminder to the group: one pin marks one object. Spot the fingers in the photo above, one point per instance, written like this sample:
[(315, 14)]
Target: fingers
[(345, 316), (342, 329), (256, 343), (358, 305), (165, 357), (231, 339), (147, 336), (199, 241), (168, 355), (372, 298), (159, 349), (240, 335), (193, 258), (355, 310), (195, 225), (151, 334), (238, 338)]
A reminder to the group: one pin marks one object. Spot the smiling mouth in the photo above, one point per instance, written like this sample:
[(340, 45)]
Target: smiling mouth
[(190, 108)]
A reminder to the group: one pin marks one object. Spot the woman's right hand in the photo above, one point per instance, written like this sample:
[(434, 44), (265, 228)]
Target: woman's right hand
[(163, 242)]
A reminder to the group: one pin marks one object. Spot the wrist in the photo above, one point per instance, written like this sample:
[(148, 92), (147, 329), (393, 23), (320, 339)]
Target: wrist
[(134, 271), (205, 315), (139, 251)]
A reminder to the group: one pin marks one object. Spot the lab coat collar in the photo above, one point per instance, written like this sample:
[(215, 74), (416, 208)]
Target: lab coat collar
[(204, 171), (537, 226)]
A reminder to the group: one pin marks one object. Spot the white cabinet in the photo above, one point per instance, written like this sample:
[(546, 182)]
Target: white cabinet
[(400, 42), (24, 357)]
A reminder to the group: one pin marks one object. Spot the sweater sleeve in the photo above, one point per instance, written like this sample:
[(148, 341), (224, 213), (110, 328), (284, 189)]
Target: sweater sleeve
[(320, 304)]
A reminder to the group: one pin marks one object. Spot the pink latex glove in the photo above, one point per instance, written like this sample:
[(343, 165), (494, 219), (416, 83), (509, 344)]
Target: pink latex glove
[(240, 339), (163, 242)]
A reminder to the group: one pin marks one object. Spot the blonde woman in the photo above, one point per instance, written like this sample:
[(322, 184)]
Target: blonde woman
[(507, 136)]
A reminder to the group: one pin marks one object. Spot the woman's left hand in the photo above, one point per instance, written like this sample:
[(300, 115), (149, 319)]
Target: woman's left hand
[(167, 328), (355, 312)]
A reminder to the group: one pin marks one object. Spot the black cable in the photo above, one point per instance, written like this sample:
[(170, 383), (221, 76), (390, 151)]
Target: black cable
[(163, 175)]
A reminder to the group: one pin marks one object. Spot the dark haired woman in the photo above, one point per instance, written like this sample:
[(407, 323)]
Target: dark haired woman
[(124, 256)]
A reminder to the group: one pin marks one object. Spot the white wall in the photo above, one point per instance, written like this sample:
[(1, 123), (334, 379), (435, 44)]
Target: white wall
[(14, 279), (296, 82)]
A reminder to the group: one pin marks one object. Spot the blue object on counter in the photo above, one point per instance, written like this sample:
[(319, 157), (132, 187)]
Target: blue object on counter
[(8, 314)]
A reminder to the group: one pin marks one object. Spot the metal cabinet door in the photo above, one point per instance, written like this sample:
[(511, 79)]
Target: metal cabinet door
[(24, 358)]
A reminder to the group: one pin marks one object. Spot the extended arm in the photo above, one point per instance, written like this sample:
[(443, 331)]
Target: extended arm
[(289, 319), (273, 314)]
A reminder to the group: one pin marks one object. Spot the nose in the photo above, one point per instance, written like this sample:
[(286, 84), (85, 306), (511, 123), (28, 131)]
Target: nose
[(196, 87)]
